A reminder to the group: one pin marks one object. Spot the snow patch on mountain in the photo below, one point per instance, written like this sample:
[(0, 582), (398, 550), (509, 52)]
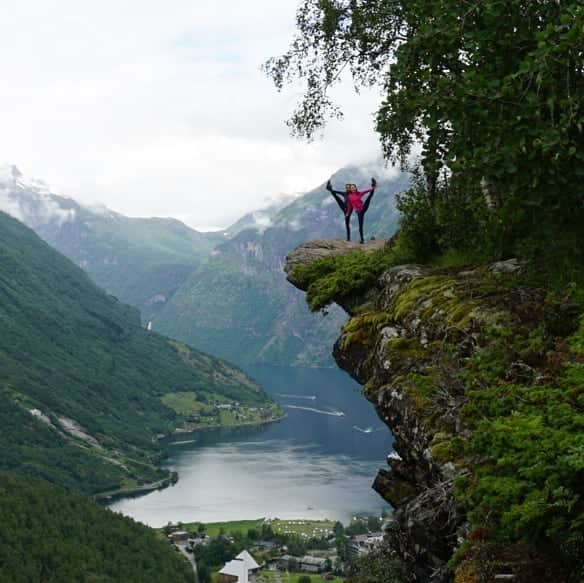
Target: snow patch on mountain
[(29, 200)]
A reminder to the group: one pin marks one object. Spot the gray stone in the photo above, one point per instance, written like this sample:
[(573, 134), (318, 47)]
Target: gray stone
[(508, 266)]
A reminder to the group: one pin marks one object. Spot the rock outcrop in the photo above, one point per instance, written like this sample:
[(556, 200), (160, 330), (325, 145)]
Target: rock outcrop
[(322, 248), (407, 342)]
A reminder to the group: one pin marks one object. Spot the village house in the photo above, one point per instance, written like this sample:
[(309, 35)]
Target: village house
[(312, 564), (241, 570), (265, 545), (179, 536), (307, 563), (363, 544)]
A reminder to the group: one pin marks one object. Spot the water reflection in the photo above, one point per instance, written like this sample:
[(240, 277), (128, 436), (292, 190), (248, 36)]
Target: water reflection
[(308, 465)]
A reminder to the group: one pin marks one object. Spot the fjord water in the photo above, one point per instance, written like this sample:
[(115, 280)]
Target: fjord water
[(315, 463)]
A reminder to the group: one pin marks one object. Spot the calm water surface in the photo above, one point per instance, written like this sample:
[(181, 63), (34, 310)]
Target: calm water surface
[(314, 463)]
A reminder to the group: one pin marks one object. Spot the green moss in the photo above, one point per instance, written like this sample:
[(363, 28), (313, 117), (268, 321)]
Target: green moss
[(530, 439), (364, 329), (447, 448), (441, 452), (407, 348), (338, 277), (438, 296), (419, 388)]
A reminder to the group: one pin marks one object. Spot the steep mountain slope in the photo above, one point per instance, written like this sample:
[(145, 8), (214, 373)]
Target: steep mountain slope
[(237, 304), (52, 536), (81, 381), (141, 261)]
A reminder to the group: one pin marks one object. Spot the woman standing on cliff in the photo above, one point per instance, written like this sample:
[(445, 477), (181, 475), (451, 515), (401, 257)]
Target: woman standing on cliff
[(353, 199)]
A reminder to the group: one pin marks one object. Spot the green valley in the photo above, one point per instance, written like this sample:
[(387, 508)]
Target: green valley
[(82, 382)]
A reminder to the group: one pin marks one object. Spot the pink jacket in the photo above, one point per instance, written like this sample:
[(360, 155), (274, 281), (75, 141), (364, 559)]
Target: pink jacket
[(354, 201)]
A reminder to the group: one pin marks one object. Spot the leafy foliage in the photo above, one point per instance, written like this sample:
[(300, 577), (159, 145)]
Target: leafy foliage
[(94, 378), (529, 439), (51, 535), (378, 567), (492, 91)]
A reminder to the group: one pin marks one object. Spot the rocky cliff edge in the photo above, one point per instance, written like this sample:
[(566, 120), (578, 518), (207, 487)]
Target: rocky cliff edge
[(416, 340)]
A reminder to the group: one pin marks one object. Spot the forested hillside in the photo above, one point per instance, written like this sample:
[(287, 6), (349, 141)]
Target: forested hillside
[(52, 536), (81, 381)]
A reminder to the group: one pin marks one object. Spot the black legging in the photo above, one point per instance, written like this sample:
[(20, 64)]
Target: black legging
[(361, 214), (342, 202)]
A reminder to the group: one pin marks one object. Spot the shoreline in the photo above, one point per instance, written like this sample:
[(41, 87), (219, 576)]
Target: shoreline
[(107, 498), (110, 497), (196, 428)]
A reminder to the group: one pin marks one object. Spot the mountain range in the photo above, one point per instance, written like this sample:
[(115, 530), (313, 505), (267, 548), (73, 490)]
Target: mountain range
[(222, 292)]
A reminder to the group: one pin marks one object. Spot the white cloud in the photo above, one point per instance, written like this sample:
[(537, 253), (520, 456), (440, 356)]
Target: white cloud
[(10, 206), (157, 108), (42, 211)]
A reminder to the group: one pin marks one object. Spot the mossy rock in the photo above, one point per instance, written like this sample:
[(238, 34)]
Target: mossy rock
[(398, 492), (467, 572), (364, 329), (441, 452)]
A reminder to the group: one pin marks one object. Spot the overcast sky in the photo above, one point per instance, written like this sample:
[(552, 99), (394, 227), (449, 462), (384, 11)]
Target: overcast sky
[(158, 108)]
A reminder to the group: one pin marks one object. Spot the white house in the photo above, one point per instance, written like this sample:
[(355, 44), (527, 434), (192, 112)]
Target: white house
[(241, 570), (234, 572), (249, 561)]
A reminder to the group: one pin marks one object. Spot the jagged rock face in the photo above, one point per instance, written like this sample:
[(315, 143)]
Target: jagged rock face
[(405, 343)]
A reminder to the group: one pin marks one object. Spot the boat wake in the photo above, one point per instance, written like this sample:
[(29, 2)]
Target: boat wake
[(331, 413), (308, 397), (367, 429), (183, 442)]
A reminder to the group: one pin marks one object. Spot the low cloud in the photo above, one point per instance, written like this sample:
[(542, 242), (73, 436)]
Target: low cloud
[(157, 112), (29, 200)]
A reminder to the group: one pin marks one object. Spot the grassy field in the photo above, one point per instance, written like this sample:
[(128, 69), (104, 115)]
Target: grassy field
[(247, 416), (193, 410), (303, 528), (187, 403), (272, 577), (212, 529)]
